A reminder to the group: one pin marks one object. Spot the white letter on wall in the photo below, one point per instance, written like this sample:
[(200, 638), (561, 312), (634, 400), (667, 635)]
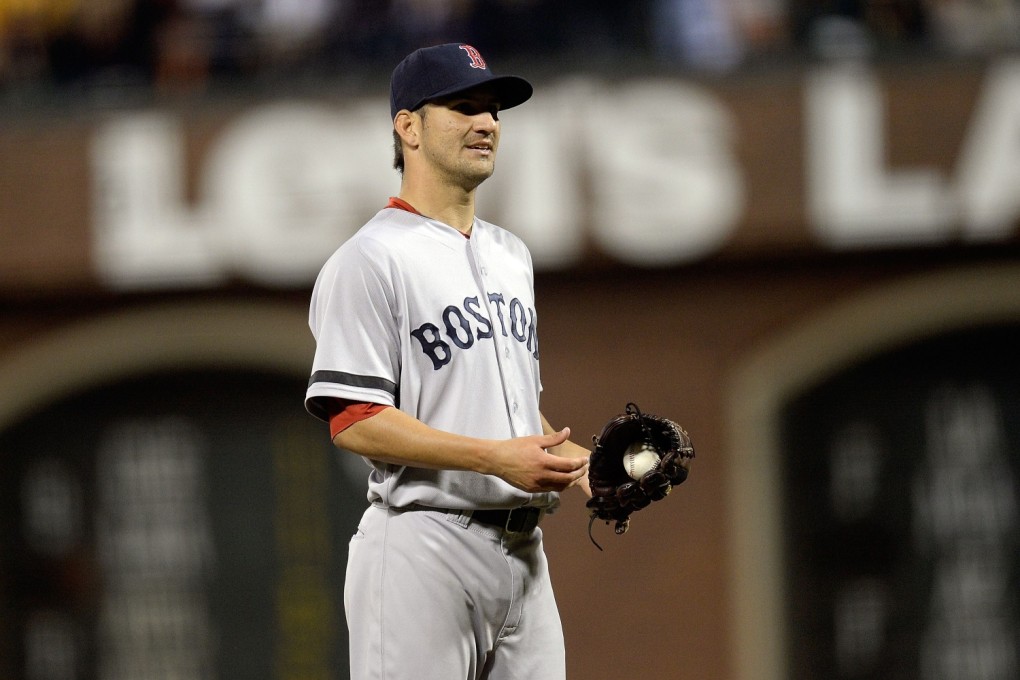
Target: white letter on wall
[(852, 200), (289, 182), (535, 191), (989, 170), (144, 235), (666, 185)]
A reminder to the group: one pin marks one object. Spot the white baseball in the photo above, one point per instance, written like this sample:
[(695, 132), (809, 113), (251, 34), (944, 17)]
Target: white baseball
[(639, 459)]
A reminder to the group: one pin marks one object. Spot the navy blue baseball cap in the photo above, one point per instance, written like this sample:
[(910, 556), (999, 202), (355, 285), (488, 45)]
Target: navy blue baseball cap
[(443, 70)]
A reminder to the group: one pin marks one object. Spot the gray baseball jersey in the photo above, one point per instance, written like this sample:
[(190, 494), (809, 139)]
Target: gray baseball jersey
[(410, 313)]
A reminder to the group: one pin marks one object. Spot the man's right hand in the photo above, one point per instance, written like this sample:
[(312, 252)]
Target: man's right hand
[(525, 463)]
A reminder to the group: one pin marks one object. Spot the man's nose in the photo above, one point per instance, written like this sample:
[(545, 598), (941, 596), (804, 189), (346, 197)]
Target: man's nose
[(485, 121)]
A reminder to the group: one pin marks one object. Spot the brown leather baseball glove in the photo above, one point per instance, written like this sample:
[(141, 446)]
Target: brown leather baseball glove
[(615, 493)]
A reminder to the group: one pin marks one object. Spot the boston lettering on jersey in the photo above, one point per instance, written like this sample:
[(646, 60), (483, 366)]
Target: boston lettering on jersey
[(464, 324)]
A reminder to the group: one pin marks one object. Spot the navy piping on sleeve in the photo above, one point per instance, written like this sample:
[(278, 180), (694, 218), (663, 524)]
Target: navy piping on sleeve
[(353, 380)]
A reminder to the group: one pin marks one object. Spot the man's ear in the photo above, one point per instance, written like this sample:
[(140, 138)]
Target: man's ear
[(408, 126)]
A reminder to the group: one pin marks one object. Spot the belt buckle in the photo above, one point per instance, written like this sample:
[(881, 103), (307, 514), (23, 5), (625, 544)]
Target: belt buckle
[(522, 519)]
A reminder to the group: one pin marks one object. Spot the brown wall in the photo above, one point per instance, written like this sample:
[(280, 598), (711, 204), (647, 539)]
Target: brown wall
[(684, 594), (673, 342)]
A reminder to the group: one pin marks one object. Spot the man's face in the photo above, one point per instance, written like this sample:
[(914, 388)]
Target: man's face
[(460, 136)]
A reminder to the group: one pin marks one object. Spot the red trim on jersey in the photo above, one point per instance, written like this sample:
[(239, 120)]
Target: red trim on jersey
[(402, 205), (344, 413)]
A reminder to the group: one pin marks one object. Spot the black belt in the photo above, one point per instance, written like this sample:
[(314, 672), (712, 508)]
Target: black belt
[(518, 520)]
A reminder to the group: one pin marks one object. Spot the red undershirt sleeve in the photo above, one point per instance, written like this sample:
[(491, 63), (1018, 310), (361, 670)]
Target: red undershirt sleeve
[(344, 413)]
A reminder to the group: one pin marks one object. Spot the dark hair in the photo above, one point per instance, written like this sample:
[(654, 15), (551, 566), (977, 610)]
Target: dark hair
[(398, 153), (398, 149)]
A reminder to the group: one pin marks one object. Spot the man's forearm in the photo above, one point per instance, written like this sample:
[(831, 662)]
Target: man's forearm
[(392, 436), (531, 463)]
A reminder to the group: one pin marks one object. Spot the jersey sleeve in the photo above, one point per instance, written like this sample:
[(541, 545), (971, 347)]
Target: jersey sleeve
[(353, 319)]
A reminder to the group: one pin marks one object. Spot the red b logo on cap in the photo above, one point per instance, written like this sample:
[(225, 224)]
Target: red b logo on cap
[(476, 57)]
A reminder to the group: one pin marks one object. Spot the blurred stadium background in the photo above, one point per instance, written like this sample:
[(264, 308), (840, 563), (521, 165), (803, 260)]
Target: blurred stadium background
[(789, 225)]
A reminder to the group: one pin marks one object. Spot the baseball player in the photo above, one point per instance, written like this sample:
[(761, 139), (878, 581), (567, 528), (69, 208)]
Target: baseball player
[(426, 364)]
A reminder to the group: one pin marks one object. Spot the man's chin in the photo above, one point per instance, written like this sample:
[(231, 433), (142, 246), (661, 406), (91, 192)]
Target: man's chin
[(477, 175)]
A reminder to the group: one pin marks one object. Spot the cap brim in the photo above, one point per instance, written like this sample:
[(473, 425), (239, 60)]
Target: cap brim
[(510, 91)]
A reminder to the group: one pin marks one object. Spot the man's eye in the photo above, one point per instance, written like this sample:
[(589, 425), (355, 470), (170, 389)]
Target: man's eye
[(469, 109)]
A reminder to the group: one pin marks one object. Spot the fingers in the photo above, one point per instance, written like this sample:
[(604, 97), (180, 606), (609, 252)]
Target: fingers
[(560, 481), (566, 472), (555, 439), (561, 464), (535, 466)]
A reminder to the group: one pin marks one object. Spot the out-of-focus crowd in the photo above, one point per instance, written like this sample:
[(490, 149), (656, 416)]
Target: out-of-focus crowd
[(186, 44)]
